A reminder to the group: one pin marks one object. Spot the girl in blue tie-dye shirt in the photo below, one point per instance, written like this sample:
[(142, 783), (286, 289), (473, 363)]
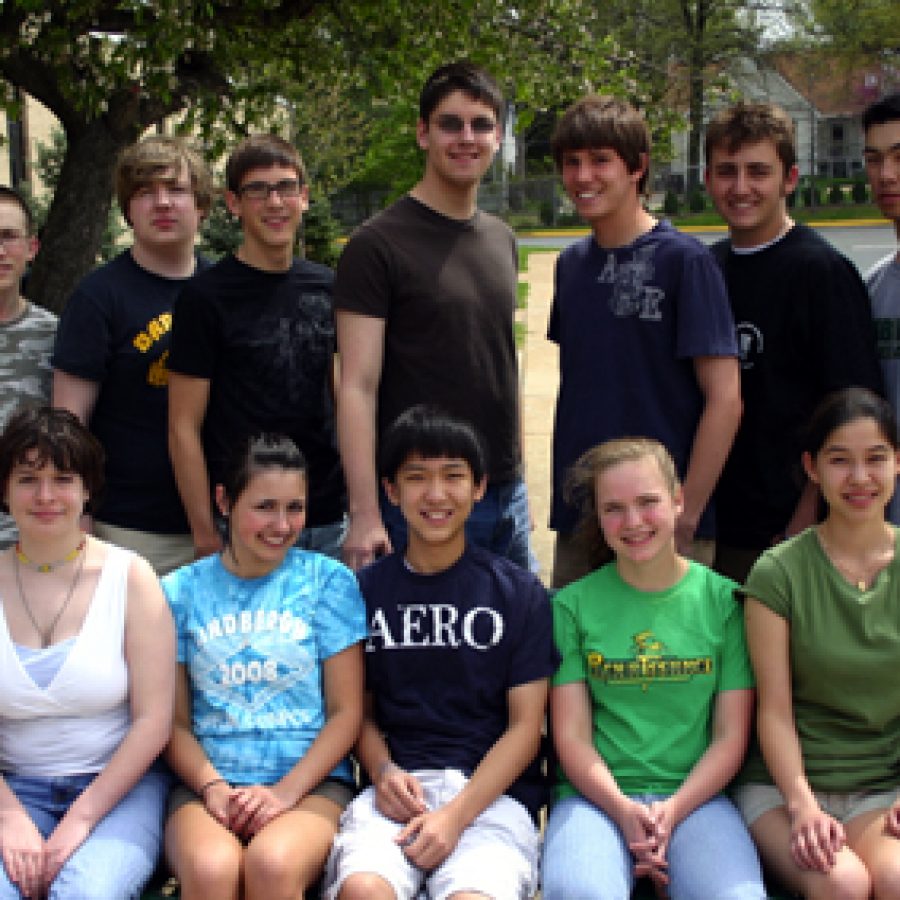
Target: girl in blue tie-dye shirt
[(269, 696)]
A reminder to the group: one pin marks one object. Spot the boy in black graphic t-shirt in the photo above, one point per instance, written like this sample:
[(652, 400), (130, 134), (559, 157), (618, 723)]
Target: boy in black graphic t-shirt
[(253, 349), (457, 663)]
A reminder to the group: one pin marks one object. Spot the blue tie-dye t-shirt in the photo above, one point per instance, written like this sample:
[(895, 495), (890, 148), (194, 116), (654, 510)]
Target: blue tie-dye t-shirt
[(254, 649)]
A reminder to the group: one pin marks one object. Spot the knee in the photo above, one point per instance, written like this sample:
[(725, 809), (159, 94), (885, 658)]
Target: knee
[(847, 880), (366, 886), (886, 879), (273, 863), (212, 869)]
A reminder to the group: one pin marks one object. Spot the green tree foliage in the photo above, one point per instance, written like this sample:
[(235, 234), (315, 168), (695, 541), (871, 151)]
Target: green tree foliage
[(856, 30), (341, 77)]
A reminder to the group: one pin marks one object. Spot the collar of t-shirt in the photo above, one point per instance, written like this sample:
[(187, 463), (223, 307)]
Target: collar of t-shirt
[(747, 251)]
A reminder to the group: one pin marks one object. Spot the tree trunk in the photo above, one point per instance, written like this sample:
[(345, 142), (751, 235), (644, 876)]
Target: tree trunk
[(77, 215)]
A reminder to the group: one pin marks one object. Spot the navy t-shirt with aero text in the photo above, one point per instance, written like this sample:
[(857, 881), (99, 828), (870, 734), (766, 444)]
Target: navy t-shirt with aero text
[(443, 652)]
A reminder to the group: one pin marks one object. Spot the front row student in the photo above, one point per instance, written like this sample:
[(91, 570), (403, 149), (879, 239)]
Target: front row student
[(458, 658), (86, 664), (823, 627), (651, 706), (268, 698)]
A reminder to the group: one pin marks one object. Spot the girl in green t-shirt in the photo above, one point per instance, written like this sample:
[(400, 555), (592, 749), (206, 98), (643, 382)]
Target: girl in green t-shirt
[(823, 626), (651, 705)]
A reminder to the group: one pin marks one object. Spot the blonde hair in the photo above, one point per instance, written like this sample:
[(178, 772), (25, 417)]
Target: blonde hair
[(580, 488), (142, 163)]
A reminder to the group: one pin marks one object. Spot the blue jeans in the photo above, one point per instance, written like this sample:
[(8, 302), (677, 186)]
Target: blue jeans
[(500, 522), (326, 539), (119, 855), (710, 855)]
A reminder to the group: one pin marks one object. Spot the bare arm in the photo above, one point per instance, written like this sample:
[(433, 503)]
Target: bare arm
[(804, 513), (150, 657), (719, 764), (188, 400), (719, 380), (429, 837), (343, 687), (572, 728), (398, 794), (815, 836), (78, 395), (360, 342)]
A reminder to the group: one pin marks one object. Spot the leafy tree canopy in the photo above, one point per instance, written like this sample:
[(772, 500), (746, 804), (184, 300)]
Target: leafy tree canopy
[(342, 76)]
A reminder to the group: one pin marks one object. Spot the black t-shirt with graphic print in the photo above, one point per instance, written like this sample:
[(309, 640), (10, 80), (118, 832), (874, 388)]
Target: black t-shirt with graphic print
[(115, 330), (265, 341)]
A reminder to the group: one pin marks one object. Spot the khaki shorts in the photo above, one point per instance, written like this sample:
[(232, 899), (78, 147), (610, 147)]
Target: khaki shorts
[(753, 800), (333, 789), (165, 552)]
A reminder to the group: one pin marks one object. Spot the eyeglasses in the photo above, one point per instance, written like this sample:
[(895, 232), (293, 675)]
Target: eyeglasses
[(11, 238), (260, 190), (451, 123)]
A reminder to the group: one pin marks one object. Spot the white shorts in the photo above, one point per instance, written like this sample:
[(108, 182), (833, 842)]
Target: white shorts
[(496, 855)]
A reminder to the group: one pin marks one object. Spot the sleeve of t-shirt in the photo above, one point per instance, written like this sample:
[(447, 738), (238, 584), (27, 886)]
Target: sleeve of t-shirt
[(566, 634), (840, 314), (534, 655), (705, 324), (172, 585), (83, 345), (768, 583), (195, 334), (736, 672), (340, 612), (363, 279)]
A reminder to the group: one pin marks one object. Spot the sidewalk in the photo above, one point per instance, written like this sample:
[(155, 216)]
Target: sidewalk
[(540, 381)]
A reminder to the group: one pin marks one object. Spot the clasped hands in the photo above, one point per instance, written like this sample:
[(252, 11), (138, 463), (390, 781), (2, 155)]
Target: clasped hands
[(427, 836), (247, 809), (647, 829)]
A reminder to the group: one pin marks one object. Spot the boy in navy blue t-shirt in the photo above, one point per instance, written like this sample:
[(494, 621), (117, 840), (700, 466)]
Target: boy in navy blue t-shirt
[(645, 333), (457, 662)]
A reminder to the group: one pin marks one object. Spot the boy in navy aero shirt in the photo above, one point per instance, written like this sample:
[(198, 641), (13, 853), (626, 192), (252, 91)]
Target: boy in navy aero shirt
[(457, 662)]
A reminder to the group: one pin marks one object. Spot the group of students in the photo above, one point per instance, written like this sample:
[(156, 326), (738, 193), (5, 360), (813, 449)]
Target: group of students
[(270, 663), (262, 648)]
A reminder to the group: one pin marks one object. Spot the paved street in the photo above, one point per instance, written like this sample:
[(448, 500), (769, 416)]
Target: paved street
[(540, 375), (864, 244)]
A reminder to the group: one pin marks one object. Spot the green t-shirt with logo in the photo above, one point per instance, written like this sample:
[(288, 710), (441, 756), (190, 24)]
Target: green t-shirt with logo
[(653, 663), (845, 665)]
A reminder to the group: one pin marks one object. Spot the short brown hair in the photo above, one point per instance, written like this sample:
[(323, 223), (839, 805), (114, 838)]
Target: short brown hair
[(261, 151), (144, 162), (601, 121), (750, 123), (60, 438), (580, 487)]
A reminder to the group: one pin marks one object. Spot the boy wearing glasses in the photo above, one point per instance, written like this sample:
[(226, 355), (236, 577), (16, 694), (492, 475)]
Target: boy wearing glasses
[(113, 342), (253, 349), (26, 330), (425, 295)]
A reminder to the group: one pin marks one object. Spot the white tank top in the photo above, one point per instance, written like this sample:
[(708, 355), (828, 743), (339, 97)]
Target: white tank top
[(74, 725)]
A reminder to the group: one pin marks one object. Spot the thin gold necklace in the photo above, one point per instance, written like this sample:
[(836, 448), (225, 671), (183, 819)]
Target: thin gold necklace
[(46, 635), (862, 575), (44, 568)]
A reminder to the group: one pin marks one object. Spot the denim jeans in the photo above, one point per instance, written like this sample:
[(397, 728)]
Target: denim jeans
[(500, 522), (119, 855), (326, 539), (711, 855)]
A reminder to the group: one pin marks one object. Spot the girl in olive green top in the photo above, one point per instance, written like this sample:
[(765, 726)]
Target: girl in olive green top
[(823, 627)]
